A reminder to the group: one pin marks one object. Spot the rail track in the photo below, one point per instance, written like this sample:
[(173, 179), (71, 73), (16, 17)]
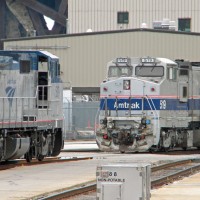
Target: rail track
[(160, 175), (17, 163)]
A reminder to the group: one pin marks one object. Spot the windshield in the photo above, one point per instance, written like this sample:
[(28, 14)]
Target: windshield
[(149, 71), (117, 71)]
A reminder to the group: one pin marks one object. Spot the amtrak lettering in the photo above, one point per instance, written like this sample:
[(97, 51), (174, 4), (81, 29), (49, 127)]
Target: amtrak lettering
[(121, 104), (125, 105)]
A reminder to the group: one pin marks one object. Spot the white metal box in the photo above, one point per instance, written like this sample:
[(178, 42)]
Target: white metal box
[(123, 182)]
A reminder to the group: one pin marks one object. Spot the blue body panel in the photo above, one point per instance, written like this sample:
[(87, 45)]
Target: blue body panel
[(151, 104)]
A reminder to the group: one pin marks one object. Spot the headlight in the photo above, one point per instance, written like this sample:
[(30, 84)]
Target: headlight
[(110, 125), (103, 121), (136, 125)]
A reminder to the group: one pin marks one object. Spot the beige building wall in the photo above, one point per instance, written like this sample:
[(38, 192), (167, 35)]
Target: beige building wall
[(83, 57), (101, 15)]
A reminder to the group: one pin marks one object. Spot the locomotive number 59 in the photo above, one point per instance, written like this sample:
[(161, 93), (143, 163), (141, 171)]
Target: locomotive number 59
[(163, 104)]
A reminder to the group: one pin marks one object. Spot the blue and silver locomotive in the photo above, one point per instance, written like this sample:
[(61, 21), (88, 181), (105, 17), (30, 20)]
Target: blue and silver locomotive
[(149, 104), (31, 118)]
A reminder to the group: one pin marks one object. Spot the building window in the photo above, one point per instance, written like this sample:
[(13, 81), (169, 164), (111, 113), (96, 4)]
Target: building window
[(122, 17), (184, 24)]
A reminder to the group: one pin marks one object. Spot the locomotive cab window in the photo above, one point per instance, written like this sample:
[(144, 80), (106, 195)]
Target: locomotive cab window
[(125, 71), (171, 73), (43, 85), (113, 71), (183, 92), (42, 81), (58, 69), (118, 71), (54, 69), (42, 66), (25, 66), (149, 71)]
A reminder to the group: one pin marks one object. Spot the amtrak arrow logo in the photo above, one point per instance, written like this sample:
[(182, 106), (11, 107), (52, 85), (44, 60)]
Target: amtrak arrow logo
[(10, 91)]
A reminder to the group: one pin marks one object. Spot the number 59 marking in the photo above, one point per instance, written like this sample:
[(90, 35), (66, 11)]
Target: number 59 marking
[(163, 104)]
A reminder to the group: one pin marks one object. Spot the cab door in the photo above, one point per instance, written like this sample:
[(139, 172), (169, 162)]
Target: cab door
[(183, 89), (43, 85)]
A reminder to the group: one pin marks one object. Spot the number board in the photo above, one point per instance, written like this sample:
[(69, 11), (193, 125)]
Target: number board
[(122, 60), (148, 60)]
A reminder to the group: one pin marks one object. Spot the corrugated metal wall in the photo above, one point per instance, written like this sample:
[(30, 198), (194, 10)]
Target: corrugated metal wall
[(84, 62), (100, 15)]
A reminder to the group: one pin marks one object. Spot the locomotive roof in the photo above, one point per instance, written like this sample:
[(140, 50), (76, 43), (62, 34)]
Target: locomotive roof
[(138, 59), (49, 54), (44, 53), (166, 60)]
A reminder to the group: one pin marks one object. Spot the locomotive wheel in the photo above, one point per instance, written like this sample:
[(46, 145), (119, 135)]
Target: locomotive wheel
[(28, 156), (154, 148), (151, 150), (40, 157), (184, 148), (165, 149), (58, 143)]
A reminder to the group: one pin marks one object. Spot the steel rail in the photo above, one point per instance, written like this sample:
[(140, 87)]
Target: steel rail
[(174, 176), (171, 164), (71, 192), (18, 163), (158, 182)]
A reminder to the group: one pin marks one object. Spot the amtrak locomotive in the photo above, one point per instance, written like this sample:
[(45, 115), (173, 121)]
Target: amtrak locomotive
[(31, 118), (149, 104)]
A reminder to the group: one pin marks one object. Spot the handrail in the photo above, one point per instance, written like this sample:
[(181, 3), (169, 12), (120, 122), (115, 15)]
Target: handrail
[(96, 121), (22, 104), (154, 112), (106, 106), (36, 94), (130, 106), (152, 104), (98, 113), (116, 106)]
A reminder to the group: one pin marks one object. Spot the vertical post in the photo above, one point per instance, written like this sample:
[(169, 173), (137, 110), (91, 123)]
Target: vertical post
[(3, 112), (67, 31), (106, 107), (16, 111), (34, 33), (116, 107), (130, 106)]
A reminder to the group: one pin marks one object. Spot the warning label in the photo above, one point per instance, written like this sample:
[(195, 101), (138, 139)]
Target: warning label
[(111, 180)]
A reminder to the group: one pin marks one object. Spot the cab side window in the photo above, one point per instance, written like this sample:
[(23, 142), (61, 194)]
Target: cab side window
[(25, 66), (171, 73)]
